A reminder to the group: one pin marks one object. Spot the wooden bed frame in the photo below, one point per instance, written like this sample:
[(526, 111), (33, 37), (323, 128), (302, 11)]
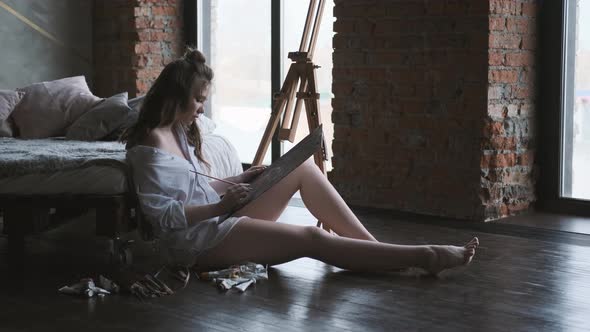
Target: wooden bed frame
[(29, 214), (116, 214)]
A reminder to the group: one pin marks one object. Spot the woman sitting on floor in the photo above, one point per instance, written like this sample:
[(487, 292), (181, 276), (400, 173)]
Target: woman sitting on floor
[(183, 207)]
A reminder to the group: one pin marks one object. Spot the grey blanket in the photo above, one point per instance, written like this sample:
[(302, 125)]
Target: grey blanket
[(21, 157)]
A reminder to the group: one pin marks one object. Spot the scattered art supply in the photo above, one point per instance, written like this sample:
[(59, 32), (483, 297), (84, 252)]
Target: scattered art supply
[(85, 288), (151, 286), (238, 277), (108, 284)]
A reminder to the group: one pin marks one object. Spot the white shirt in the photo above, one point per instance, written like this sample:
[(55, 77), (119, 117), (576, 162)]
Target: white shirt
[(164, 186)]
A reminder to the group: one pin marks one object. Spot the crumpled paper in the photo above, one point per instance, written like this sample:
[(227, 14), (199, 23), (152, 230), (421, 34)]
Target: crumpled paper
[(238, 277)]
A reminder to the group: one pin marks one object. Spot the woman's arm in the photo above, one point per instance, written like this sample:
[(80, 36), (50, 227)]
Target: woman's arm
[(233, 195)]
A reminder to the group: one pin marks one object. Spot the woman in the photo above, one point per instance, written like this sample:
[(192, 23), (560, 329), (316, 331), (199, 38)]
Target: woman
[(183, 207)]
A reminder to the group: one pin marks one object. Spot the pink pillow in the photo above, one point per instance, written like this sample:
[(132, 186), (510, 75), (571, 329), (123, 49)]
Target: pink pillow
[(48, 108), (8, 100)]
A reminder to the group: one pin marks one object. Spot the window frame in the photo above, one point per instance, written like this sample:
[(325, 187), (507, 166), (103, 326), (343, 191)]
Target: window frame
[(550, 78), (193, 10)]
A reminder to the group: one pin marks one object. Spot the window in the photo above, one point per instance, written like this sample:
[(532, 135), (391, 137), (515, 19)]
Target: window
[(239, 53), (563, 147), (243, 57), (576, 106)]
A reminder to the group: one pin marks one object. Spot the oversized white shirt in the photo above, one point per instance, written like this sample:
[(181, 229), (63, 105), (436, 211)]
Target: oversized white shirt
[(164, 185)]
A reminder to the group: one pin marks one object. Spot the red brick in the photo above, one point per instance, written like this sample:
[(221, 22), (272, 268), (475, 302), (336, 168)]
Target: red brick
[(493, 128), (406, 9), (388, 27), (521, 92), (142, 86), (163, 11), (529, 42), (498, 160), (504, 41), (143, 23), (340, 41), (524, 58), (341, 88), (516, 208), (497, 23), (393, 58), (141, 48), (495, 58), (344, 26), (365, 28), (526, 158), (501, 143), (377, 10), (141, 11), (526, 109), (144, 35), (348, 58), (496, 111), (158, 22), (504, 7), (520, 25), (139, 60), (528, 77), (162, 36), (495, 92), (503, 76), (529, 9), (148, 73), (155, 59), (344, 11)]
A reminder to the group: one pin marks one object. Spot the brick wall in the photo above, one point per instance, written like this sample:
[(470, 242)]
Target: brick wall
[(415, 105), (133, 40), (507, 160)]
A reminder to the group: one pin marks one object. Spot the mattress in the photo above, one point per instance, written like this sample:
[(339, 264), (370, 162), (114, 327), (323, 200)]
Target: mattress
[(100, 180), (58, 166)]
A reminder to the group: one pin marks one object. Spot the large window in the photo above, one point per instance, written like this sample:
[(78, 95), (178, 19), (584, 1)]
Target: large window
[(576, 104), (564, 107), (236, 37)]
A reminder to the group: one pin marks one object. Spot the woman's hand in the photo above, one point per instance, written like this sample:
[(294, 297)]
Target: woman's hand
[(234, 195), (251, 173)]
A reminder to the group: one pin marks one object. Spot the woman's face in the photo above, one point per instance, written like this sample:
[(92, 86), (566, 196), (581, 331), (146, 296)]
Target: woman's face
[(195, 104)]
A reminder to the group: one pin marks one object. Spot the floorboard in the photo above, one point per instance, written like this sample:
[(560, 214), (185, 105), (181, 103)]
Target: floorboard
[(519, 281)]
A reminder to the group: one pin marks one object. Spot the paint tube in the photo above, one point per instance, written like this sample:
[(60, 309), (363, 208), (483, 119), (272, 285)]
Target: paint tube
[(85, 287), (225, 273), (226, 284), (108, 284), (243, 285)]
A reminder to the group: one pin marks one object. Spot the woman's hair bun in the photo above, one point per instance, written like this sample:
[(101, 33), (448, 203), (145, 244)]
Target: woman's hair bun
[(193, 55)]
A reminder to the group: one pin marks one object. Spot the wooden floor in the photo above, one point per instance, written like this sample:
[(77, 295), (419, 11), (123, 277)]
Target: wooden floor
[(517, 282)]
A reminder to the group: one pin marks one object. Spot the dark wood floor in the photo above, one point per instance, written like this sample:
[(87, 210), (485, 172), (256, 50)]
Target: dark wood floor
[(517, 282)]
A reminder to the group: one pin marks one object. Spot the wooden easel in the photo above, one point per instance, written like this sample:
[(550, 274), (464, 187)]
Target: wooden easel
[(300, 72)]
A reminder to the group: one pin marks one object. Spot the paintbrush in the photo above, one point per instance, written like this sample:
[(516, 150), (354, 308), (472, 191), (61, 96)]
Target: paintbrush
[(214, 178)]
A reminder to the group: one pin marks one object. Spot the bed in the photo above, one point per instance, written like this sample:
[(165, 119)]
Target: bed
[(41, 175)]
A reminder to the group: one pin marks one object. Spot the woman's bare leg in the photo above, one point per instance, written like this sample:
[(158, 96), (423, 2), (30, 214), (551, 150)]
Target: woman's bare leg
[(284, 242), (319, 196)]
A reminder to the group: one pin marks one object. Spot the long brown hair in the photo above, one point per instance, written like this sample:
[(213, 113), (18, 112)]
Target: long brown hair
[(169, 94)]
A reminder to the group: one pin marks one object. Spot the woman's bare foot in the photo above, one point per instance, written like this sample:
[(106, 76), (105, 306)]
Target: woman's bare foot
[(446, 257)]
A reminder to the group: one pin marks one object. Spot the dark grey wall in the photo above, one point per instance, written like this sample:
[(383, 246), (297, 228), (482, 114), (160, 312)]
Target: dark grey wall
[(27, 56)]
